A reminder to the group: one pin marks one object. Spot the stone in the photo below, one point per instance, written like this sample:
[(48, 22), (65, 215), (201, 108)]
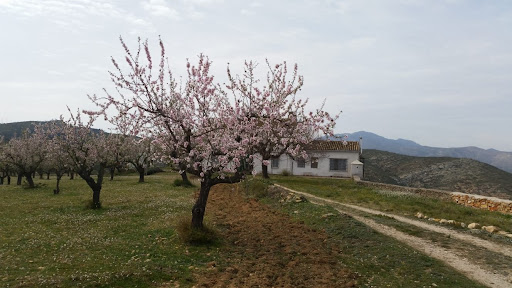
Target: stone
[(327, 215), (491, 229), (474, 226), (451, 222), (463, 225), (419, 215), (443, 221)]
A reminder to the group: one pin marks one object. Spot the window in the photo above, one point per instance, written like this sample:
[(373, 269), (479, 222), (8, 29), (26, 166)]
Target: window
[(314, 162), (337, 164), (275, 163), (301, 163)]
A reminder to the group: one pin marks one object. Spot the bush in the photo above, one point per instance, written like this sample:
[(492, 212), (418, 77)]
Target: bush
[(154, 170), (256, 187), (285, 173), (181, 183), (195, 236)]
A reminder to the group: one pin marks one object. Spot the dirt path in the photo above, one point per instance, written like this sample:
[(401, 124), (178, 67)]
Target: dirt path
[(471, 270), (267, 249)]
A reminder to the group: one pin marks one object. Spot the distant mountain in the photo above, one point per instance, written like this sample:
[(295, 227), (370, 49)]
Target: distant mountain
[(499, 159), (445, 173), (15, 129), (10, 130)]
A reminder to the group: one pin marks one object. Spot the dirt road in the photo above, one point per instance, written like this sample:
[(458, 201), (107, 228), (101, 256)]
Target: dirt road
[(484, 275)]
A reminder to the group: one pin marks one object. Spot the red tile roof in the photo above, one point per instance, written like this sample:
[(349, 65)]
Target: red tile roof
[(325, 145)]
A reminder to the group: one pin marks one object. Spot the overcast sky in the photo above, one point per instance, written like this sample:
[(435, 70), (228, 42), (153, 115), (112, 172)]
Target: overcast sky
[(435, 72)]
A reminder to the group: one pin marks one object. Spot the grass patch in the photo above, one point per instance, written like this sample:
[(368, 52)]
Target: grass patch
[(49, 240), (347, 191), (188, 234)]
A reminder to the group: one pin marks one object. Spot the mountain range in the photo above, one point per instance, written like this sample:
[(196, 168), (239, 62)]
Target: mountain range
[(499, 159), (445, 173)]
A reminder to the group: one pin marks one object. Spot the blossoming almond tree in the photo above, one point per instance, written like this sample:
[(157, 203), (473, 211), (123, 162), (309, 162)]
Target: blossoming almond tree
[(89, 152), (278, 123), (26, 153), (138, 153), (195, 124)]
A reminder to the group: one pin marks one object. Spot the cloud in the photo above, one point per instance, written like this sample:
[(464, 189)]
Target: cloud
[(161, 8)]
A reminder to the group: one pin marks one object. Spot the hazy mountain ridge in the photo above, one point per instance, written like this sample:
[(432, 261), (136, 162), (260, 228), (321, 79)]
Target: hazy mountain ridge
[(445, 173), (499, 159)]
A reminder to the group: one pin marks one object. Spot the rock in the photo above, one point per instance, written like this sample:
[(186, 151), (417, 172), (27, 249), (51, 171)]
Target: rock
[(451, 222), (503, 233), (491, 229), (463, 225), (419, 215), (327, 215), (437, 219), (443, 221), (474, 226), (509, 235)]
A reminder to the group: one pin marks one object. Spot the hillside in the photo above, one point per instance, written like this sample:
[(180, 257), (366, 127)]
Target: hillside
[(14, 129), (446, 173), (10, 130), (499, 159)]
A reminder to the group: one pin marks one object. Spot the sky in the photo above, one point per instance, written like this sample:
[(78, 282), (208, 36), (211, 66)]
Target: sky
[(432, 71)]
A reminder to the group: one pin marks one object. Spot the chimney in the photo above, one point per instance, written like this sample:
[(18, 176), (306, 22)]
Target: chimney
[(361, 145)]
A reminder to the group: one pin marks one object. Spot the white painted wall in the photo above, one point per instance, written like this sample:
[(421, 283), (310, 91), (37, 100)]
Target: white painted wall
[(286, 163)]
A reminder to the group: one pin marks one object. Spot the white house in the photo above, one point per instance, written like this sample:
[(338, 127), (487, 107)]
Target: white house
[(326, 158)]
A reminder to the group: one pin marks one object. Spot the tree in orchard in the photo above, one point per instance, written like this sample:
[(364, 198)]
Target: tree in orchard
[(89, 152), (26, 153), (57, 161), (278, 122), (5, 168), (195, 122), (138, 152)]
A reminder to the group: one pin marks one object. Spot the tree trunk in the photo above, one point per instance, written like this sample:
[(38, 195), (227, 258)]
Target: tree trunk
[(47, 175), (94, 185), (2, 180), (200, 207), (8, 180), (30, 180), (20, 177), (96, 204), (112, 170), (141, 171), (40, 175), (264, 171), (57, 189), (184, 177), (72, 176)]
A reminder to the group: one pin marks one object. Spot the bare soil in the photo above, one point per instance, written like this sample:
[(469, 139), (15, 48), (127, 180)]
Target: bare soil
[(267, 248)]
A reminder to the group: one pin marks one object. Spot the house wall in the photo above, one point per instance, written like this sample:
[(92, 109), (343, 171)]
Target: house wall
[(286, 163)]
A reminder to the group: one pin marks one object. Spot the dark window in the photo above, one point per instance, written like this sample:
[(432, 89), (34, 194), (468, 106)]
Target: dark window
[(338, 164), (314, 162), (275, 163), (301, 163)]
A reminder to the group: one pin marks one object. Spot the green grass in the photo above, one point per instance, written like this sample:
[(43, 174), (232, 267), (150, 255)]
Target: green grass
[(347, 191), (51, 240)]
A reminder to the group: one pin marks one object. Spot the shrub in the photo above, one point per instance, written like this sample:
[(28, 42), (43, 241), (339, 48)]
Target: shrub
[(154, 170), (195, 236), (285, 173), (181, 183), (256, 187)]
